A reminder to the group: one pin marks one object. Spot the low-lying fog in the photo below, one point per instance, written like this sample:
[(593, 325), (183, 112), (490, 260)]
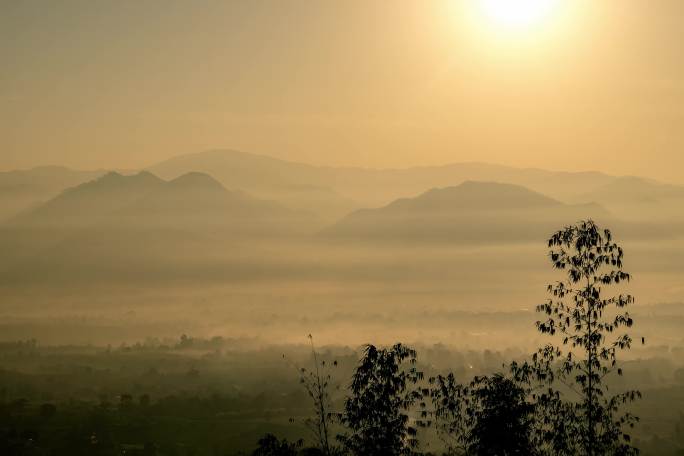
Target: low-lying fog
[(344, 293)]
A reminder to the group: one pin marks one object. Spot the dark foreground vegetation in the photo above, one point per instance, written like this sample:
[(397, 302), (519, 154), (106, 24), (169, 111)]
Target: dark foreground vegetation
[(574, 396)]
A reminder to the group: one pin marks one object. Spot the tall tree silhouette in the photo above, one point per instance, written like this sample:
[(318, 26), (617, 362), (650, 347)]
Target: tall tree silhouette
[(376, 413), (490, 416), (584, 319), (317, 383)]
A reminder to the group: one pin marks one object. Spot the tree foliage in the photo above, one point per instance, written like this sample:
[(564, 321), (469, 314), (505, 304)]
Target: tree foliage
[(489, 416), (500, 418), (580, 417), (270, 445), (382, 392)]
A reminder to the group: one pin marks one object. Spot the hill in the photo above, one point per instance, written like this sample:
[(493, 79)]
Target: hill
[(636, 198), (635, 190), (129, 226), (194, 201), (99, 197), (26, 188), (267, 176), (195, 194), (472, 211), (298, 186)]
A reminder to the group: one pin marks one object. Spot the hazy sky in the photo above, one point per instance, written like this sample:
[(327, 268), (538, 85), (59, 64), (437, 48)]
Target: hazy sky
[(596, 85)]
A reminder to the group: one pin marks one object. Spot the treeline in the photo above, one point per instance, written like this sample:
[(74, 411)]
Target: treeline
[(557, 402)]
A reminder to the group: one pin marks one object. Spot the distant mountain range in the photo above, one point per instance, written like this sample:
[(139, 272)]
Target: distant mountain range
[(193, 201), (472, 211), (367, 187), (333, 192), (230, 214)]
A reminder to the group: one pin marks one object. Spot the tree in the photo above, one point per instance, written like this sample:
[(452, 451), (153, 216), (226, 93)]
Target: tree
[(269, 445), (490, 416), (317, 383), (584, 319), (376, 413), (448, 416), (501, 418)]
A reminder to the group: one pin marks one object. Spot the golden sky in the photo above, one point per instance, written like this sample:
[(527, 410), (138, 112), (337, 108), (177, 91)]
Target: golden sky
[(594, 85)]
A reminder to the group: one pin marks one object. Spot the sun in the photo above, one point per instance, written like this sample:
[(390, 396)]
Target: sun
[(518, 14)]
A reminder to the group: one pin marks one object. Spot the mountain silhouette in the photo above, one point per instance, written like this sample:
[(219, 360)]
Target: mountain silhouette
[(474, 196), (102, 196), (271, 177), (332, 192), (198, 194), (298, 186), (632, 189), (26, 188), (471, 211), (124, 227), (640, 200), (193, 201)]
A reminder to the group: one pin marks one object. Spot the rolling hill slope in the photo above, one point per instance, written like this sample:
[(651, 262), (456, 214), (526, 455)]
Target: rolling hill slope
[(472, 211)]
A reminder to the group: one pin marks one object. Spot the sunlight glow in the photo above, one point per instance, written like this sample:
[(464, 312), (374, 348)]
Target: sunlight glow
[(517, 14)]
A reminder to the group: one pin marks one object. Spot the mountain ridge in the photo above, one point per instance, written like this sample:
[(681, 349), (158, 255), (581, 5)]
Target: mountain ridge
[(266, 176), (486, 211), (333, 192), (144, 195)]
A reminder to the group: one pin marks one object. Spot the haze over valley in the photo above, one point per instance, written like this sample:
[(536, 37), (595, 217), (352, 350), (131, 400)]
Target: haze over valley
[(227, 242)]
